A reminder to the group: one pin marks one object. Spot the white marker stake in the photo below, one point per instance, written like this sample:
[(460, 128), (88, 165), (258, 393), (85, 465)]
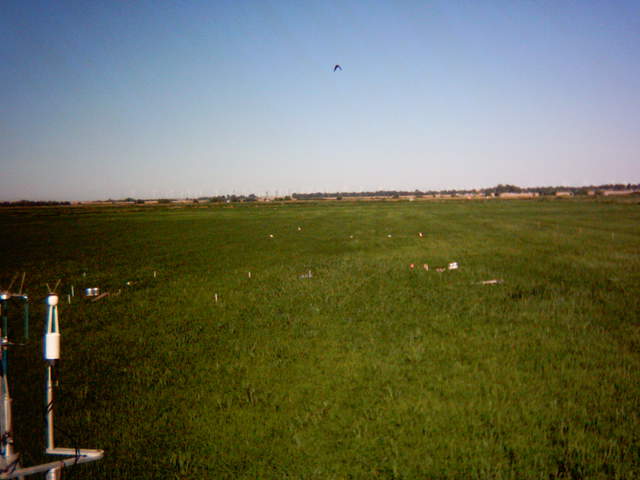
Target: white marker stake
[(249, 274), (215, 297), (69, 299), (154, 274), (72, 294)]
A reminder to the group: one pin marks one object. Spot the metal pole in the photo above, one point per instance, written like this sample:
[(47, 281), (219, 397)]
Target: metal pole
[(26, 317), (7, 455), (51, 355), (49, 441), (4, 306), (85, 456), (6, 442), (54, 474), (5, 399), (4, 297)]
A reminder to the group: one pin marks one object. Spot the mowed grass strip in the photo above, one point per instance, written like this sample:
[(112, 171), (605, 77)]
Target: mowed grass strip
[(363, 369)]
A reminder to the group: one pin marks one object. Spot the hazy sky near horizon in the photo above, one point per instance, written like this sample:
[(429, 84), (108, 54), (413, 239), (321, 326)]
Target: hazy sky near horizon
[(113, 99)]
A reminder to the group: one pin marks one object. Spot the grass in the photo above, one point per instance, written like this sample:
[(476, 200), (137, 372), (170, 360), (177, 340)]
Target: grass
[(364, 370)]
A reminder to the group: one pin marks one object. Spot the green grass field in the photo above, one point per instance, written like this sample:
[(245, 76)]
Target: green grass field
[(365, 370)]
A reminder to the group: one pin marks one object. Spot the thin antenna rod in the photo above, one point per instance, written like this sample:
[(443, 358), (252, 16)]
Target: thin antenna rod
[(22, 282), (12, 281)]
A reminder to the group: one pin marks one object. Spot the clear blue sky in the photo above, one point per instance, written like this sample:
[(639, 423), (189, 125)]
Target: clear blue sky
[(104, 99)]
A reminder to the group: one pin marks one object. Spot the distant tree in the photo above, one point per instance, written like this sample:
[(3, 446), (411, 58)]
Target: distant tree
[(507, 189)]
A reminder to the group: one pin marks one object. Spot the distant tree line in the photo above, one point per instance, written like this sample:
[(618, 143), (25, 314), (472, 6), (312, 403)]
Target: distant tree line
[(497, 190), (553, 190), (33, 203), (229, 198), (213, 199), (491, 191)]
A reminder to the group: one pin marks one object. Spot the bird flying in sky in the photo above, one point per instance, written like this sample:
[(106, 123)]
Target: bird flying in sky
[(337, 67)]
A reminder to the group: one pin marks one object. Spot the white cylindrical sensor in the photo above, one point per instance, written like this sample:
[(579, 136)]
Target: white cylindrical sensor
[(52, 346), (52, 300)]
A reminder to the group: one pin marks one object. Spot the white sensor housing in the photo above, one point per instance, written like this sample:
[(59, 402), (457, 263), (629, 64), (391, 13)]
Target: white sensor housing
[(52, 346)]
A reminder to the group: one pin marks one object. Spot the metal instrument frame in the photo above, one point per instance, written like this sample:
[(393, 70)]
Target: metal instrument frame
[(9, 460)]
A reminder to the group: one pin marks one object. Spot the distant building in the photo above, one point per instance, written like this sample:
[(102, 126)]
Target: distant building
[(608, 193), (564, 194), (518, 195)]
